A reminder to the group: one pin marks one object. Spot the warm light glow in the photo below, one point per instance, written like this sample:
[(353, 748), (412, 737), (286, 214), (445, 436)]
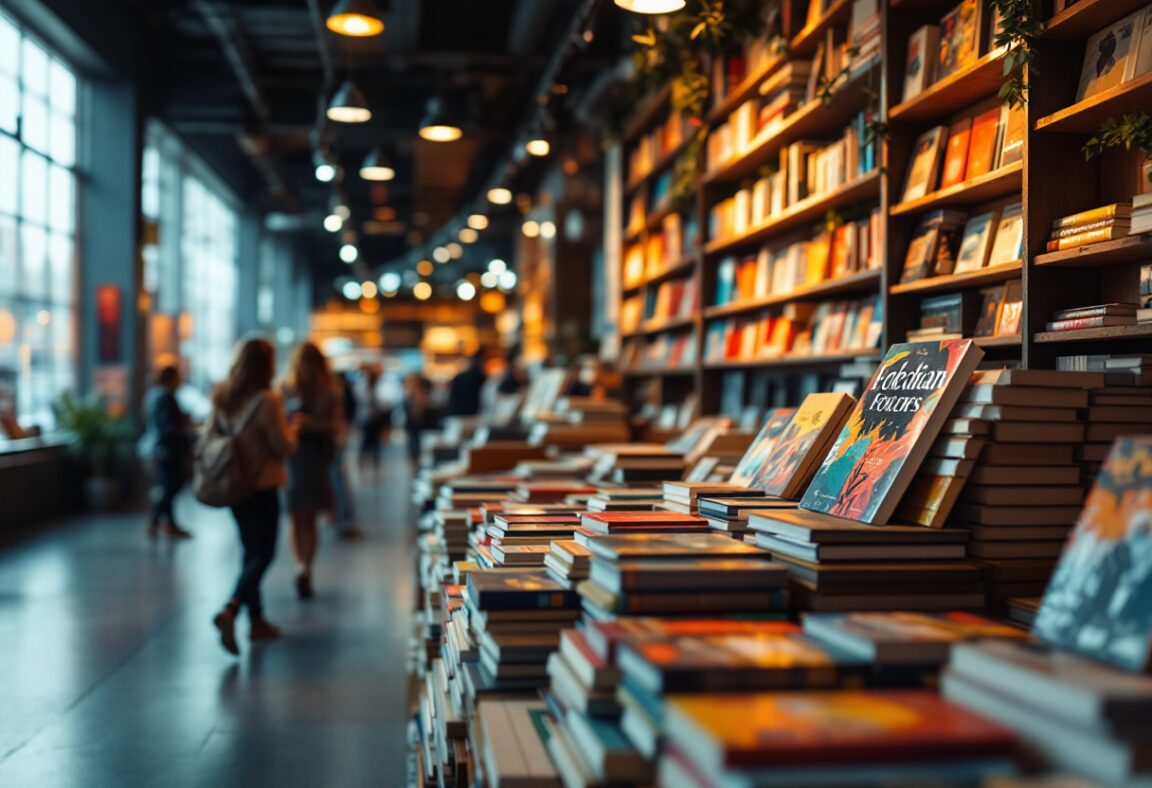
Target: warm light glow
[(351, 291), (465, 290), (441, 133), (489, 279), (492, 301), (368, 289), (507, 280), (349, 253), (333, 223), (349, 114), (7, 327), (500, 196), (547, 230), (538, 147), (424, 268), (530, 229), (455, 251), (384, 213), (325, 173), (377, 173), (390, 282), (342, 210), (422, 291), (478, 221), (369, 306), (43, 317), (497, 266), (440, 255), (355, 25), (468, 235), (651, 6)]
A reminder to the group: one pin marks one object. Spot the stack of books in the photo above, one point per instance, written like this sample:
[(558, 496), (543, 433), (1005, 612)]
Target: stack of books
[(515, 617), (509, 742), (1095, 316), (1141, 218), (659, 521), (1105, 223), (684, 497), (644, 464), (635, 499), (938, 483), (553, 491), (679, 575), (444, 732), (519, 540), (1114, 409), (567, 562), (452, 528), (1024, 491)]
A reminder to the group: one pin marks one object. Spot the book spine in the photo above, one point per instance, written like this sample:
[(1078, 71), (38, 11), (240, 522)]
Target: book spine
[(1090, 311), (1087, 217), (1084, 322), (1065, 232), (1085, 238)]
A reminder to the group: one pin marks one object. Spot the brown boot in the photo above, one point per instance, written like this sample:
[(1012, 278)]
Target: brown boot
[(263, 630), (225, 622), (173, 531)]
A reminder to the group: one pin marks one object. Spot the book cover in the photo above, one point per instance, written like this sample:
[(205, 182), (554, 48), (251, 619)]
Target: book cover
[(982, 147), (959, 39), (990, 299), (1099, 601), (1143, 58), (1116, 210), (956, 154), (925, 164), (1011, 309), (905, 637), (1109, 58), (1014, 125), (753, 459), (629, 546), (920, 63), (976, 243), (789, 467), (521, 590), (1009, 244), (891, 429)]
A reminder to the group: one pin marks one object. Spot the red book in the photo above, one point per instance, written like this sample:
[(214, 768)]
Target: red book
[(657, 518), (566, 519)]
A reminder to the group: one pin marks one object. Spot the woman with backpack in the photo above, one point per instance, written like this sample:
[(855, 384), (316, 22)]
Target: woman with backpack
[(315, 402), (254, 437)]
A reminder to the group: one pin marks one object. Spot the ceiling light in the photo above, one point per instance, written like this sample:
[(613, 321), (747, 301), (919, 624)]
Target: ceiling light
[(377, 167), (465, 290), (442, 121), (424, 268), (355, 18), (440, 255), (390, 282), (351, 291), (468, 235), (478, 221), (325, 172), (651, 6), (455, 251), (422, 291), (333, 223), (547, 230), (507, 280), (489, 279), (530, 229), (538, 147), (349, 253), (348, 105), (497, 266), (342, 210), (500, 196), (368, 290)]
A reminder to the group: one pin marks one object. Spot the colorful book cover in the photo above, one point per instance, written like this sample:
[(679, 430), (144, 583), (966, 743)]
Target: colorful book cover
[(1110, 57), (1099, 601), (982, 146), (956, 156), (891, 429), (905, 636), (525, 590), (802, 444), (753, 459), (976, 243)]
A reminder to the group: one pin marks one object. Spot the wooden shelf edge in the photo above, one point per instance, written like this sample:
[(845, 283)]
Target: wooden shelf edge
[(1085, 116), (998, 183), (653, 372), (843, 284), (805, 42), (920, 106), (657, 167), (989, 275), (803, 360), (675, 324), (1132, 249), (1137, 331), (1085, 17), (1005, 341)]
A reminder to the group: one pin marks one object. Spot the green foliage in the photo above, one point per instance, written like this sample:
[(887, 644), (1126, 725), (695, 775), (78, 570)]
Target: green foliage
[(1132, 130), (99, 439), (827, 86), (1021, 23)]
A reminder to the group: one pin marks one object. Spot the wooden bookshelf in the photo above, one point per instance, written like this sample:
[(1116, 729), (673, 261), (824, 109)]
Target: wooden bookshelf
[(937, 284), (967, 86), (1012, 341), (854, 283), (1085, 17), (660, 326), (805, 42), (661, 164), (1122, 251), (794, 360), (745, 90), (1139, 331), (983, 188), (658, 372), (1085, 117)]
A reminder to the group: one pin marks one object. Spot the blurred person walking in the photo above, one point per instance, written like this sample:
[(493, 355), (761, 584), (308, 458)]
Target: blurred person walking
[(464, 393), (344, 512), (419, 413), (246, 407), (315, 403), (169, 446)]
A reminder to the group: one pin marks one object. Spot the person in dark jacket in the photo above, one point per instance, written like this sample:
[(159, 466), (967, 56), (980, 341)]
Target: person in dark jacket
[(168, 430), (464, 393)]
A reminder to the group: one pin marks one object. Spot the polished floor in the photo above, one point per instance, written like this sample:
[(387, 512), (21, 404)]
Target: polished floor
[(110, 673)]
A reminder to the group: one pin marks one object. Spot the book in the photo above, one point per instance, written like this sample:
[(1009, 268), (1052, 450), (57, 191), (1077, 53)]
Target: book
[(960, 34), (990, 300), (520, 590), (1086, 237), (956, 153), (515, 737), (638, 546), (930, 245), (982, 148), (1109, 58), (1085, 218), (904, 637), (1011, 309), (1099, 600), (1009, 244), (802, 444), (922, 172), (1144, 49), (1014, 126), (891, 429), (753, 459), (976, 243), (920, 62), (686, 574)]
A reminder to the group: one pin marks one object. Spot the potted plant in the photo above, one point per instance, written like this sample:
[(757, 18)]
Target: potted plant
[(1131, 130), (99, 440)]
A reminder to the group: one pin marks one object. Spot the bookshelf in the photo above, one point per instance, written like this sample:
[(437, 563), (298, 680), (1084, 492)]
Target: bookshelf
[(1054, 127)]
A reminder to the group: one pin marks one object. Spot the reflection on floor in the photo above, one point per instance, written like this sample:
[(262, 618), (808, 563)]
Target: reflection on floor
[(110, 674)]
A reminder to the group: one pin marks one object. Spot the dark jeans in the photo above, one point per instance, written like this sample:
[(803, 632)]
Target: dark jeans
[(170, 478), (258, 520)]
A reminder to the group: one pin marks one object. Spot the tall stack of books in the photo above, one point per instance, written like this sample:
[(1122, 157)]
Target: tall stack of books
[(636, 499), (444, 732), (1105, 223), (1119, 407), (509, 741)]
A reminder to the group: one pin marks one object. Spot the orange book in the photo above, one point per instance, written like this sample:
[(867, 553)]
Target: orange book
[(818, 249), (956, 157), (982, 147), (841, 248)]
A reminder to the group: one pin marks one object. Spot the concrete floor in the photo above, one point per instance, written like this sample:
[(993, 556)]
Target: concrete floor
[(111, 674)]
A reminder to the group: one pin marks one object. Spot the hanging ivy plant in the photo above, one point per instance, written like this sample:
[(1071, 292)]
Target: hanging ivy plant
[(1020, 24), (1132, 130)]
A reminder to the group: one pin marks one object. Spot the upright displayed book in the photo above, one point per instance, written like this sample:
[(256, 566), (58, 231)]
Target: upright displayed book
[(1099, 601), (1110, 57), (753, 459), (799, 448), (890, 430)]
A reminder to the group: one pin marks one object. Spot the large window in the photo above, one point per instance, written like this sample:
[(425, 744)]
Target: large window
[(37, 224), (208, 257)]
